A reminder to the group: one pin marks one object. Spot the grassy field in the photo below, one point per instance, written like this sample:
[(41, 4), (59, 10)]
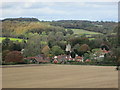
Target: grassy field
[(17, 39), (13, 39), (81, 32), (60, 76)]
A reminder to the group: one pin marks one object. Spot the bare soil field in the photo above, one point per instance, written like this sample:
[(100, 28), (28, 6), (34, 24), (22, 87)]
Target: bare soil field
[(60, 76)]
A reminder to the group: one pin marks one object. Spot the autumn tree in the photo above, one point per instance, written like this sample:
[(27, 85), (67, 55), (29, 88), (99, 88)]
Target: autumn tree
[(4, 54), (14, 56), (83, 49), (13, 28), (46, 50)]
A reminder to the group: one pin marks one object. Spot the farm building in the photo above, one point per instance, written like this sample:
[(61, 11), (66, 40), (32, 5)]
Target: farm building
[(37, 60), (79, 59)]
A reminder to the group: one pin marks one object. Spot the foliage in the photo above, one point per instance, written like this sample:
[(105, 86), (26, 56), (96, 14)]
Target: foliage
[(86, 56), (109, 59), (56, 50), (116, 54), (101, 27), (4, 54), (46, 50), (12, 39), (84, 32), (59, 36), (62, 44), (14, 56), (96, 43), (7, 44), (84, 48), (14, 28), (78, 40), (33, 46), (69, 31), (21, 19)]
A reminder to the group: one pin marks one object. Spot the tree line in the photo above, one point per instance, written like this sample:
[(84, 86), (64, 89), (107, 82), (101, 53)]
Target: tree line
[(51, 38)]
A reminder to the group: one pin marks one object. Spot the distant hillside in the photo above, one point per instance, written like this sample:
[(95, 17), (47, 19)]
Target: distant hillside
[(21, 27), (22, 19), (96, 26)]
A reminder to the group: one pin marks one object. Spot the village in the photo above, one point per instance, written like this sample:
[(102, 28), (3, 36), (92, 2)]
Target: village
[(69, 58)]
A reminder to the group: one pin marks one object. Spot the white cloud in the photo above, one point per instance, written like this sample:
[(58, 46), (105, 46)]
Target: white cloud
[(60, 1), (50, 11), (61, 10)]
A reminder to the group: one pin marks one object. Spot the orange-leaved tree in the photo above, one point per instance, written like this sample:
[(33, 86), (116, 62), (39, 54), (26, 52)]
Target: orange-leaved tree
[(14, 56)]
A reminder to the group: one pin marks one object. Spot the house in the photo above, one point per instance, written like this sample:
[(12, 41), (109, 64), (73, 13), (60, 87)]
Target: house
[(105, 51), (105, 47), (79, 59), (87, 60), (55, 61), (60, 58), (37, 60)]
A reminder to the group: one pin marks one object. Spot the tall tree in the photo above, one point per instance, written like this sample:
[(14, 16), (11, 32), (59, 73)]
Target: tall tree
[(14, 56), (46, 50), (56, 50), (33, 46)]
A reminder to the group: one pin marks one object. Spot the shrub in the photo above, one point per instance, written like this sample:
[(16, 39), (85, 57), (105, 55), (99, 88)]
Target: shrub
[(4, 53), (14, 56), (56, 50)]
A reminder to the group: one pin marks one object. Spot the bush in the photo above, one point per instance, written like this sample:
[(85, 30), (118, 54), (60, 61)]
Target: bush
[(14, 56), (4, 54), (26, 61), (56, 50)]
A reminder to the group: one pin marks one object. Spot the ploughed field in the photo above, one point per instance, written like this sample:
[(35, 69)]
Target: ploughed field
[(60, 76)]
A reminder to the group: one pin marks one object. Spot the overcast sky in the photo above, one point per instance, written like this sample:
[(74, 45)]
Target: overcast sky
[(105, 11)]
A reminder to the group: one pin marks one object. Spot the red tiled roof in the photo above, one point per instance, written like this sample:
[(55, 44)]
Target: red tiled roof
[(33, 58), (39, 59), (105, 51), (42, 60), (87, 60), (78, 57)]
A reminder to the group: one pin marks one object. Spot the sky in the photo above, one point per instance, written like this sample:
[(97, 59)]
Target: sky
[(48, 11)]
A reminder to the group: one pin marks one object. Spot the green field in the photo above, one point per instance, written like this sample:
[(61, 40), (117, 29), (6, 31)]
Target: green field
[(12, 39), (91, 38), (82, 32), (17, 39)]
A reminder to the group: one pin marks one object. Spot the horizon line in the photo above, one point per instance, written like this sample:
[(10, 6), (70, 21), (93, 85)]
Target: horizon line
[(62, 19)]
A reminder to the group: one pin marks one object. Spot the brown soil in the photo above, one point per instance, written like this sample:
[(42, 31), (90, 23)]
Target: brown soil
[(60, 76)]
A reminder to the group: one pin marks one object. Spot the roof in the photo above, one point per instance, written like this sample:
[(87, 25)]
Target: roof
[(33, 58), (105, 51), (38, 59), (78, 57), (61, 56)]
